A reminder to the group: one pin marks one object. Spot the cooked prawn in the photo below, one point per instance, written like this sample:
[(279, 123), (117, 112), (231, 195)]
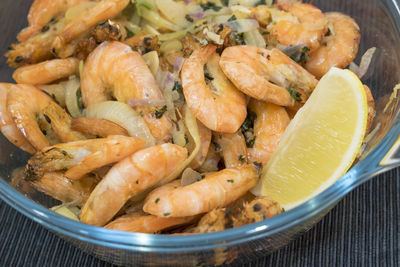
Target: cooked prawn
[(97, 127), (211, 96), (306, 25), (41, 12), (139, 222), (339, 48), (129, 177), (81, 157), (265, 74), (221, 219), (233, 148), (269, 126), (215, 191), (30, 107), (7, 125), (47, 71), (63, 189), (105, 9), (114, 70)]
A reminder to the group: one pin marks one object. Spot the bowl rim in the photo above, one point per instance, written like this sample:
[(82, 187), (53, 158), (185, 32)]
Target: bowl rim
[(367, 168)]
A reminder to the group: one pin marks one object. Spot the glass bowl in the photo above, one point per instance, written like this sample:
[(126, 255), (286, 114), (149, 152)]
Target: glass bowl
[(380, 23)]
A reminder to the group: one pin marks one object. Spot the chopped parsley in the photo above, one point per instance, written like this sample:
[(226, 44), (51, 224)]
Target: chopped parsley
[(189, 18), (160, 112), (233, 18), (64, 152), (203, 42), (249, 121), (129, 33), (265, 33), (208, 76), (210, 5), (238, 38), (178, 87), (258, 165), (186, 139), (230, 181), (157, 200), (250, 142), (166, 214), (241, 158), (283, 210), (137, 181), (79, 100), (260, 53), (301, 56), (294, 94)]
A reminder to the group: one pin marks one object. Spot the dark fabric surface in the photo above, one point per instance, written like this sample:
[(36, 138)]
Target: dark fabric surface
[(362, 230)]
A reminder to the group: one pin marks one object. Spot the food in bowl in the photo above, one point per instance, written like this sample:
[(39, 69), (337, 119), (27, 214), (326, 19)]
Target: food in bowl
[(158, 116)]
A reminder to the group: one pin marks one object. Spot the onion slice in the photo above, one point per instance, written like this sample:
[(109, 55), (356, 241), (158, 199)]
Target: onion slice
[(365, 62), (189, 176), (191, 125), (72, 96), (123, 115), (243, 25)]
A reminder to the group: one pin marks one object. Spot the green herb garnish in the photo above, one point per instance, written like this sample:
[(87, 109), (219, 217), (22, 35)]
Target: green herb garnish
[(241, 158), (160, 112), (250, 142), (210, 5), (230, 181), (157, 200), (294, 94)]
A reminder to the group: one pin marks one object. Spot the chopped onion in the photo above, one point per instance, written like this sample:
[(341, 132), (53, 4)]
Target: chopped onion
[(191, 124), (65, 210), (178, 133), (171, 46), (241, 9), (56, 91), (158, 21), (392, 97), (292, 49), (254, 38), (152, 61), (173, 11), (189, 176), (146, 102), (366, 59), (122, 114), (72, 96), (178, 64), (243, 25), (221, 19)]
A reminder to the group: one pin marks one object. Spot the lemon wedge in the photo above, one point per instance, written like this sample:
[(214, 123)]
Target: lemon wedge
[(320, 143)]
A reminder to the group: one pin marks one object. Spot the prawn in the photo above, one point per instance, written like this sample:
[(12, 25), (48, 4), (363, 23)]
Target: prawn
[(7, 125), (221, 219), (128, 178), (233, 148), (306, 24), (211, 96), (216, 190), (30, 109), (371, 107), (339, 48), (266, 75), (105, 9), (139, 222), (81, 157), (114, 70), (46, 72), (43, 11), (270, 124), (63, 189), (97, 127)]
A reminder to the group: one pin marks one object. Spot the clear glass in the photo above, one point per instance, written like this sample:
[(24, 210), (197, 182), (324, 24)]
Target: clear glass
[(380, 23)]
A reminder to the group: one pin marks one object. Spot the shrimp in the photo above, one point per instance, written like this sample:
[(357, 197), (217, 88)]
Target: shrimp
[(97, 127), (139, 222), (81, 157), (269, 126), (7, 125), (211, 96), (105, 9), (114, 70), (43, 11), (339, 48), (63, 189), (46, 72), (30, 108), (265, 74), (233, 148), (306, 25), (215, 191), (128, 178), (257, 210)]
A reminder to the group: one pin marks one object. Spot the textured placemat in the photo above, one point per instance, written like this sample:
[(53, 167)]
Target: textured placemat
[(362, 230)]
